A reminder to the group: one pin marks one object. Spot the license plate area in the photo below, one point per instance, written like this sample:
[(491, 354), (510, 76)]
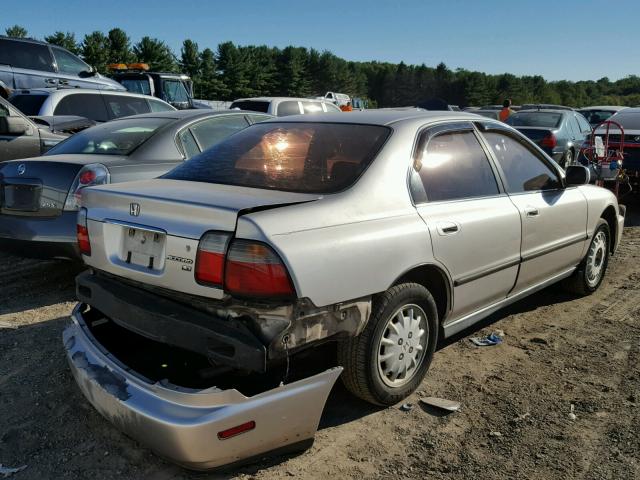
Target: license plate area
[(143, 247), (23, 197)]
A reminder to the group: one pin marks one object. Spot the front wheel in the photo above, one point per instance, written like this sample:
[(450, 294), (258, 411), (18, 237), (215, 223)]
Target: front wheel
[(389, 359), (590, 273)]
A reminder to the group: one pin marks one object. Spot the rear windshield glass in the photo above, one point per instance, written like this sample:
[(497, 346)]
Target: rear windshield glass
[(113, 138), (252, 105), (629, 121), (28, 104), (535, 119), (295, 157)]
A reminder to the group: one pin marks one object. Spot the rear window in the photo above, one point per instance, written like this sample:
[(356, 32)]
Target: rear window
[(295, 157), (251, 105), (595, 117), (88, 105), (28, 104), (112, 138), (289, 107), (124, 106), (535, 119)]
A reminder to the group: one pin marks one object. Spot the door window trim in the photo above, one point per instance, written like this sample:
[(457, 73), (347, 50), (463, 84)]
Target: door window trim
[(426, 133)]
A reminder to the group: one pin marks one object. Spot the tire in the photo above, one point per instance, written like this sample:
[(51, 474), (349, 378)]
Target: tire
[(398, 315), (567, 159), (583, 282)]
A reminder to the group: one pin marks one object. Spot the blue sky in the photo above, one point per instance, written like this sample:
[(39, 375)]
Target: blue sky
[(561, 39)]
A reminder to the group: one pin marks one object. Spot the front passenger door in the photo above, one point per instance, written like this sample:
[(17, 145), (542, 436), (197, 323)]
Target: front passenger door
[(554, 218), (474, 227)]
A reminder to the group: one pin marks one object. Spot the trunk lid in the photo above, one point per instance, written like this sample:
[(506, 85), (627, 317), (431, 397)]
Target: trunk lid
[(149, 230), (37, 187)]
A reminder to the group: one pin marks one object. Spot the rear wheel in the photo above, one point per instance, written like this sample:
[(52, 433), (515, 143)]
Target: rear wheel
[(589, 275), (389, 359)]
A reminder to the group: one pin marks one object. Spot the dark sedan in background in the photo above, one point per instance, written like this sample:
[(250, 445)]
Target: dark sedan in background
[(560, 133), (39, 196), (598, 114)]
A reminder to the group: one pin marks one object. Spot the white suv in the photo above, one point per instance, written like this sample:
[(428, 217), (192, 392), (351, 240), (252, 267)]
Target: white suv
[(284, 106), (97, 105)]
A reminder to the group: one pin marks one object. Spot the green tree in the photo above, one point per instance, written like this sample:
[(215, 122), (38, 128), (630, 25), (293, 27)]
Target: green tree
[(119, 46), (190, 58), (16, 32), (293, 76), (234, 70), (95, 50), (208, 83), (156, 54), (65, 40)]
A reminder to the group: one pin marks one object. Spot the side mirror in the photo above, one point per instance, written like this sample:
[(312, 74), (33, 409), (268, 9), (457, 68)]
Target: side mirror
[(14, 126), (87, 73), (577, 175)]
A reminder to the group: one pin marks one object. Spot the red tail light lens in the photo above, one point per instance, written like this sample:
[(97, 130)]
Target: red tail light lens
[(210, 258), (550, 141), (82, 232), (255, 270), (232, 432)]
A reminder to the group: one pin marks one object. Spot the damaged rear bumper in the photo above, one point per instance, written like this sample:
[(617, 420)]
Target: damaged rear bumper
[(184, 425)]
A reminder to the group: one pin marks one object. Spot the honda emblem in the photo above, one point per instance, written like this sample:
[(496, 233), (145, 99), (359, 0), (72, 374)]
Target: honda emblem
[(134, 209)]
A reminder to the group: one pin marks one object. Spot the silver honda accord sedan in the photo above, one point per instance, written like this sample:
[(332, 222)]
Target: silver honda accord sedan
[(381, 230)]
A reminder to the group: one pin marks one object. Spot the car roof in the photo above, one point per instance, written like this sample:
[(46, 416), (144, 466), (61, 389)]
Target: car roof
[(271, 99), (188, 114), (379, 117), (604, 107), (63, 92), (27, 40), (629, 110), (543, 110)]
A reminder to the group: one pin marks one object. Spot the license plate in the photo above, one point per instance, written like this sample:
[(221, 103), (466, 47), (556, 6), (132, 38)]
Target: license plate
[(23, 197), (143, 247)]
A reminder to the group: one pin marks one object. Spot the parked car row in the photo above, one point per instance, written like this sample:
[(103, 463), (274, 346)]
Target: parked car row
[(295, 231)]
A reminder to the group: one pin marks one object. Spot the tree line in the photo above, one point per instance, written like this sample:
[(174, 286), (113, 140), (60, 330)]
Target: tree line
[(233, 71)]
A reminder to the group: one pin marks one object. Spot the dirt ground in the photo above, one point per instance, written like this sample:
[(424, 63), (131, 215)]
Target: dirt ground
[(516, 397)]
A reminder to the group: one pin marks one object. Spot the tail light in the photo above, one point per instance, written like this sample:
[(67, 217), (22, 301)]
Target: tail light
[(253, 269), (88, 176), (82, 232), (237, 430), (550, 141), (210, 258)]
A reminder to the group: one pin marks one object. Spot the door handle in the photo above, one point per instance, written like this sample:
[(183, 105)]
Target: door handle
[(50, 81), (531, 211), (448, 228)]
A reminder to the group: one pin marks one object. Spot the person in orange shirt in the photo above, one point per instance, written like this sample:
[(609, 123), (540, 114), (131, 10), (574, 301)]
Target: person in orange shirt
[(347, 107), (506, 110)]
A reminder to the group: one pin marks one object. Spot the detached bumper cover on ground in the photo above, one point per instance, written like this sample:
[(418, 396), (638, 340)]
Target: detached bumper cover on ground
[(183, 425)]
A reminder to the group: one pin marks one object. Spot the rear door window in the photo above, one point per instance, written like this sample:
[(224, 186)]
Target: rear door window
[(123, 106), (213, 130), (157, 106), (68, 63), (252, 105), (27, 55), (288, 107), (84, 105), (258, 118), (298, 157), (189, 145), (453, 166)]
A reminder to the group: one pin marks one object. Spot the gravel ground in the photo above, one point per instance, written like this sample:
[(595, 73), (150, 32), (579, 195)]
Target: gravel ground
[(560, 353)]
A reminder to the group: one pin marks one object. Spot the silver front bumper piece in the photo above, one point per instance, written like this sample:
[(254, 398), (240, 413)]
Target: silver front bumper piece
[(182, 424)]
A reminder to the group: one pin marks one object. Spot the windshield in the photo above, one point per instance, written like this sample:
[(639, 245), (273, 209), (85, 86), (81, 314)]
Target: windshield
[(28, 104), (119, 137), (295, 157), (136, 85), (535, 119), (174, 91)]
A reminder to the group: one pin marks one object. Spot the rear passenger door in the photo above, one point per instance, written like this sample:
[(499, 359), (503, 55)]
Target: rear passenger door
[(474, 227), (554, 218)]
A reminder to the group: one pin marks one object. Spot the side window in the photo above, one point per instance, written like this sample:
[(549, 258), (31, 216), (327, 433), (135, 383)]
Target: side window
[(258, 118), (157, 106), (213, 130), (123, 106), (311, 107), (68, 63), (523, 170), (584, 125), (174, 91), (289, 107), (331, 108), (453, 165), (31, 56), (189, 145), (575, 125), (84, 105)]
